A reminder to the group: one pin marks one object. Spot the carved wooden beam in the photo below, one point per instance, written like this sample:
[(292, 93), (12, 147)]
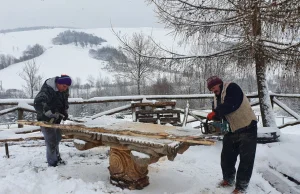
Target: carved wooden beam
[(130, 129), (133, 146)]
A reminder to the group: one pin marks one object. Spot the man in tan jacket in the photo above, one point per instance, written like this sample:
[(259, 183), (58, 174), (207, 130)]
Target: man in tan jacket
[(231, 104)]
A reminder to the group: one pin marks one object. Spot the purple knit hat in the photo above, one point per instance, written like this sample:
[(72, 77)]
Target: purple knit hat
[(64, 79), (212, 81)]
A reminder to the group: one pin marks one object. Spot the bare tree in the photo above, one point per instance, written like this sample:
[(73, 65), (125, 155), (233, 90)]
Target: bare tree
[(91, 80), (132, 65), (31, 77), (260, 33), (76, 85)]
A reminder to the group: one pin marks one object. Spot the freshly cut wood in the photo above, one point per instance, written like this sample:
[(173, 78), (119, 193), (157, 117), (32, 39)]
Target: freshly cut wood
[(133, 129)]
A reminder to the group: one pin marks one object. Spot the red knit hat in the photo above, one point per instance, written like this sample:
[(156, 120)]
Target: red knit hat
[(212, 81)]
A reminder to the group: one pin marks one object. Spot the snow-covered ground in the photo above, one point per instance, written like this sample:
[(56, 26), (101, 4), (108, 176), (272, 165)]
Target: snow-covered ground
[(67, 59), (195, 171)]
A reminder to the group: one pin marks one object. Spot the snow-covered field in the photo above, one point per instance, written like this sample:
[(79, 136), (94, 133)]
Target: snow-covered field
[(67, 59), (195, 171)]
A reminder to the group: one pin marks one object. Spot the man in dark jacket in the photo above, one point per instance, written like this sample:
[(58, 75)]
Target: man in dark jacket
[(51, 104), (231, 104)]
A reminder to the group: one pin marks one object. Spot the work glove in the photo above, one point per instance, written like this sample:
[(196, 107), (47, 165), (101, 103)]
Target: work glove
[(51, 115), (211, 116), (66, 115)]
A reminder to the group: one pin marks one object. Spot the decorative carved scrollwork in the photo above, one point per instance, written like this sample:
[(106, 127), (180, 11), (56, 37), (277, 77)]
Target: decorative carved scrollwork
[(125, 172)]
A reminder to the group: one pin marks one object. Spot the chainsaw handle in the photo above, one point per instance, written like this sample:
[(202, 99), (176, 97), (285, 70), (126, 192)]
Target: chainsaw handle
[(204, 127)]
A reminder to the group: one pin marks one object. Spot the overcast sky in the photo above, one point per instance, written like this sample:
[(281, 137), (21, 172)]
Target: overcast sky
[(77, 13)]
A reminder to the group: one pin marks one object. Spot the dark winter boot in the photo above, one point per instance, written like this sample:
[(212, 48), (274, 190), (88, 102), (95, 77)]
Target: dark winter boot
[(225, 183), (60, 161), (238, 191)]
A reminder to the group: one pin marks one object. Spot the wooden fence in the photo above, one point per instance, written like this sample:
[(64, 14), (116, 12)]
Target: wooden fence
[(19, 103)]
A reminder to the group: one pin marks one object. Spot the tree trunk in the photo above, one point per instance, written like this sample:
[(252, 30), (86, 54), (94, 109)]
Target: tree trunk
[(267, 114), (139, 86), (262, 85)]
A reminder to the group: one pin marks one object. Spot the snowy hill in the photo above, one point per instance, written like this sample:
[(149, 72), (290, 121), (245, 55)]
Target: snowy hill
[(65, 59)]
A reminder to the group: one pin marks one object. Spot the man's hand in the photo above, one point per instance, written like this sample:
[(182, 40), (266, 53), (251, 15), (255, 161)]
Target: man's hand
[(211, 116), (49, 114)]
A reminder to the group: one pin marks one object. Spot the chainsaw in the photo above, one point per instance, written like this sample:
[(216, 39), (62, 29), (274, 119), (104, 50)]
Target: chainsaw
[(215, 127)]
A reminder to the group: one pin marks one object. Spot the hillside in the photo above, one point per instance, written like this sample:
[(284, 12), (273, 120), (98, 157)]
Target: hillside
[(67, 59)]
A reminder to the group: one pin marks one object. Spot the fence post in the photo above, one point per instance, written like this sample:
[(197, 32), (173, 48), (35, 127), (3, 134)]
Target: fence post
[(6, 150), (20, 117), (272, 102)]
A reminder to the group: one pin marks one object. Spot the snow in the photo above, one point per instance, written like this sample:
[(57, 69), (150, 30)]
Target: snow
[(25, 106), (195, 171), (139, 154), (78, 141)]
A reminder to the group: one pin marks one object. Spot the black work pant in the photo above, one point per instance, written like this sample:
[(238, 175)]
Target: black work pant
[(239, 143), (52, 138)]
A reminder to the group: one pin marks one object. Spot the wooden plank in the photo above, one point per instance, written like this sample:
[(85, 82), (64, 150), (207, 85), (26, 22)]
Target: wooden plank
[(22, 139), (157, 111), (131, 129), (162, 120), (156, 104)]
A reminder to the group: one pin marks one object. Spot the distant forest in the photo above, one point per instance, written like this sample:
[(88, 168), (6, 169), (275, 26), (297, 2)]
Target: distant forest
[(78, 38), (107, 53), (30, 53), (32, 28)]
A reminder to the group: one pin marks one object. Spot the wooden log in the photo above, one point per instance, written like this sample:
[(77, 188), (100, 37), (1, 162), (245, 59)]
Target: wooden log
[(149, 131), (22, 139)]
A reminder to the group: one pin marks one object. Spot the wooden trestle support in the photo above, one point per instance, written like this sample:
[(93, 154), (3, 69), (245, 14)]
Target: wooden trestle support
[(125, 172)]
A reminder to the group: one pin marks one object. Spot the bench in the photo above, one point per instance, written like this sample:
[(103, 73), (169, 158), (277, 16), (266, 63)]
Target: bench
[(156, 112)]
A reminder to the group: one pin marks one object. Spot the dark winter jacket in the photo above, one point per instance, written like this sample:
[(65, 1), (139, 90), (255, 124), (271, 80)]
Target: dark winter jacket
[(49, 98), (233, 100)]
